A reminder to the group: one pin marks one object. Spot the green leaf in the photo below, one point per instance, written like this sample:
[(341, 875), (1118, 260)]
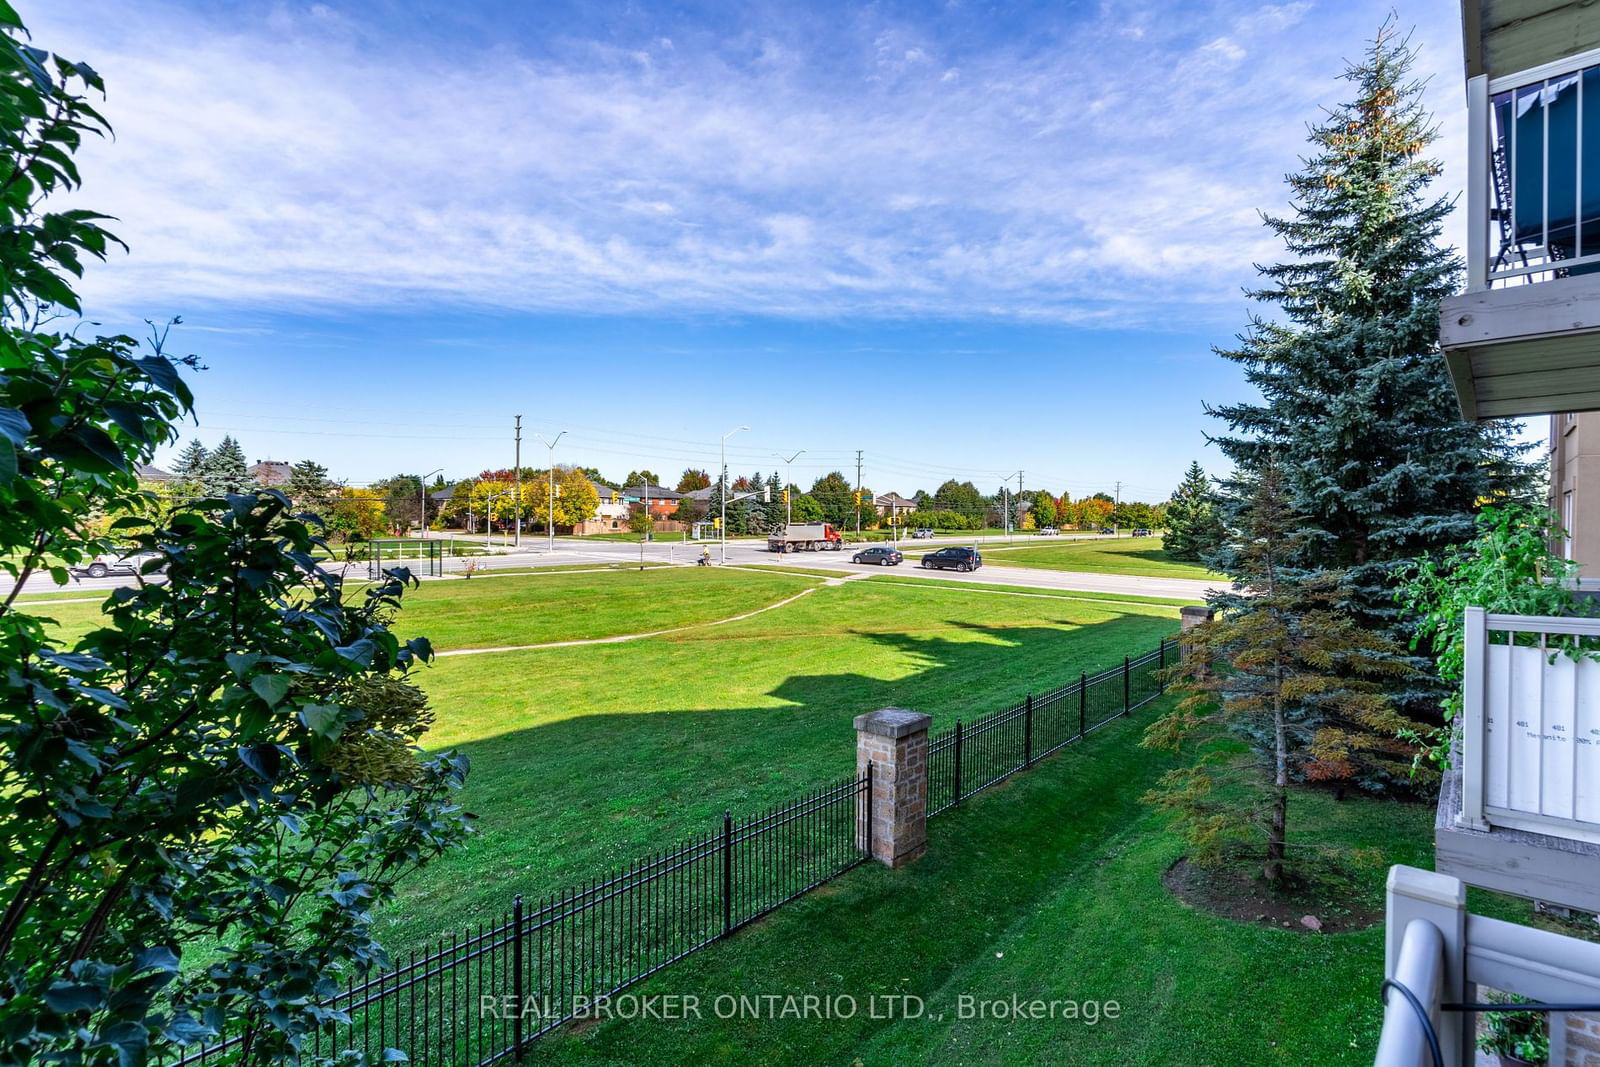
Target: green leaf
[(67, 997), (241, 662), (271, 687), (9, 16), (322, 719), (8, 462), (13, 425)]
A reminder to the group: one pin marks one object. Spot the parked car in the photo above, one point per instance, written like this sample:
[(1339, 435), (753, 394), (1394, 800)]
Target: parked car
[(882, 555), (921, 533), (127, 562), (1141, 532), (953, 559), (1107, 530), (1048, 531)]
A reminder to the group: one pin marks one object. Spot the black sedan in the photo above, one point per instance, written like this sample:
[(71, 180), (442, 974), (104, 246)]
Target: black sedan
[(882, 555), (953, 559)]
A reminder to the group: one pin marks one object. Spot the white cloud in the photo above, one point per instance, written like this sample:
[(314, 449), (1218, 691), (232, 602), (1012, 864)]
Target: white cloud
[(308, 160)]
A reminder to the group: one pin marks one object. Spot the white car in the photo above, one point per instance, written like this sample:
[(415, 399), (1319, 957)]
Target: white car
[(131, 562), (1048, 531)]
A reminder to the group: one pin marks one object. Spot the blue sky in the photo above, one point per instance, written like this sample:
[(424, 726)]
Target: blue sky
[(962, 237)]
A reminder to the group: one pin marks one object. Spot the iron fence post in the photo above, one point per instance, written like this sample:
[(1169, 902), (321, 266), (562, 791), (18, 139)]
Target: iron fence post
[(516, 977), (1161, 664), (1027, 733), (956, 798), (727, 872), (1126, 705), (869, 808), (1083, 702)]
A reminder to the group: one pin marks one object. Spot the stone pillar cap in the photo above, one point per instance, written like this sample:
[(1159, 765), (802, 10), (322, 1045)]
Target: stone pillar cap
[(1193, 610), (892, 722)]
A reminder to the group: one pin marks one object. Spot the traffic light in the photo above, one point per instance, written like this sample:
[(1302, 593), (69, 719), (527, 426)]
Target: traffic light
[(716, 523), (766, 494), (786, 496), (858, 498)]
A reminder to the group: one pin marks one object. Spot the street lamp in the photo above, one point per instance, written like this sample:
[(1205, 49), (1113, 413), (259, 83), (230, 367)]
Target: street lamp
[(422, 499), (550, 519), (1005, 512), (722, 497), (788, 480)]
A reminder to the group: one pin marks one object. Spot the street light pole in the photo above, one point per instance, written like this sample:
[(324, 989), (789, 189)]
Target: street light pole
[(722, 497), (422, 499), (788, 479), (550, 515)]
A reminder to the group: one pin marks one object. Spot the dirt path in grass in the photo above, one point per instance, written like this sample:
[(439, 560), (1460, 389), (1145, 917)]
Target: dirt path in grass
[(620, 638)]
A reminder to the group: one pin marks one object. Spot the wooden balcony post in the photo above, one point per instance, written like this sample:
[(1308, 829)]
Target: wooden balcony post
[(1474, 766)]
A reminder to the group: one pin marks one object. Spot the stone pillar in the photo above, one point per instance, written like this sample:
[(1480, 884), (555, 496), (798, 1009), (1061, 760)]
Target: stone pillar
[(895, 826), (1192, 615)]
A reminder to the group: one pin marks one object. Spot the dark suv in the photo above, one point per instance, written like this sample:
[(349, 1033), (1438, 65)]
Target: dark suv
[(953, 559)]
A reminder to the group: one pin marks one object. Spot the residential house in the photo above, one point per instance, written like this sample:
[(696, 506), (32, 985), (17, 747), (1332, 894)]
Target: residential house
[(149, 473), (270, 472), (611, 514), (1520, 808), (661, 500), (892, 505)]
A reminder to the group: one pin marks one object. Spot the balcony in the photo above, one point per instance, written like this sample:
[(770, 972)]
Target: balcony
[(1520, 810), (1439, 956), (1524, 339)]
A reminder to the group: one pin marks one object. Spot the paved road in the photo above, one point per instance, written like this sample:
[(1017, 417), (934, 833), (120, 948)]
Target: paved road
[(568, 551)]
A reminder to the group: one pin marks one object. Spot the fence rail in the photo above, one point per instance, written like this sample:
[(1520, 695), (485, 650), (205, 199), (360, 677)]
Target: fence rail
[(479, 996), (971, 757)]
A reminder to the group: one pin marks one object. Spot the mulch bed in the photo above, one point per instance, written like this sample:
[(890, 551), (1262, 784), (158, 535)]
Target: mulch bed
[(1236, 891)]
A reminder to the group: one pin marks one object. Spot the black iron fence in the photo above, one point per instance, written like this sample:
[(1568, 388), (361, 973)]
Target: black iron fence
[(479, 996), (972, 756)]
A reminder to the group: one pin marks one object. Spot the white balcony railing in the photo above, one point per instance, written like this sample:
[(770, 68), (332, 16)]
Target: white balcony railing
[(1530, 744), (1440, 958), (1533, 190)]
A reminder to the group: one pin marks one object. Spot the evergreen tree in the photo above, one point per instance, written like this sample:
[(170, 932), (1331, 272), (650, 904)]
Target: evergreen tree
[(309, 487), (1194, 526), (775, 513), (1356, 402), (188, 480), (225, 470), (1287, 670)]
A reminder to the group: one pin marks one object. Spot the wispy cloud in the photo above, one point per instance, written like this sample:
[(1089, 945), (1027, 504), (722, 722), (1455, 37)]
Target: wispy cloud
[(866, 166)]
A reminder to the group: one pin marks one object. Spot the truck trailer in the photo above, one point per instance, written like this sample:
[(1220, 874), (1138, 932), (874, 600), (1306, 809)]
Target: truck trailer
[(805, 537)]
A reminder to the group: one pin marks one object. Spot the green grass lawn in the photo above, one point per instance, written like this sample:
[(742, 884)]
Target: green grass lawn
[(1132, 555), (1048, 887), (585, 758), (536, 608)]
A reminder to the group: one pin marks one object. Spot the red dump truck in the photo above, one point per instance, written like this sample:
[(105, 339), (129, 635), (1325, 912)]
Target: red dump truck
[(805, 537)]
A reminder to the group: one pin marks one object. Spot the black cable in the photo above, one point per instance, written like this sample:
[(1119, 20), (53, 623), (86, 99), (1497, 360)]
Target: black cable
[(1422, 1016)]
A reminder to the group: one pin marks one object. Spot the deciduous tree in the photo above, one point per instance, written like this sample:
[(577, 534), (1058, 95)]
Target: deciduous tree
[(229, 757)]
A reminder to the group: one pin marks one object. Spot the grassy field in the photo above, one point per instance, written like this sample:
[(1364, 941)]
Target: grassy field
[(1048, 887), (487, 612), (587, 757), (1132, 555)]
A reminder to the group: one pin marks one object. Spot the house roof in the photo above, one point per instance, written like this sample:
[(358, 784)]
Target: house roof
[(608, 495), (270, 471), (699, 494), (148, 473), (894, 500), (656, 492), (447, 493)]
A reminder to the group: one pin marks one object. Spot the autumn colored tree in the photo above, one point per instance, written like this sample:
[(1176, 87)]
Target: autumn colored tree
[(693, 479), (1286, 670)]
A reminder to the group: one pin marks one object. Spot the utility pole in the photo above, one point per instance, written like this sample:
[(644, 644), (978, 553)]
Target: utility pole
[(1019, 495), (516, 485), (722, 498), (858, 494), (1118, 507)]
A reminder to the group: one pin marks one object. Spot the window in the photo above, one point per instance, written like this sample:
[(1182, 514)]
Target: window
[(1566, 524)]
